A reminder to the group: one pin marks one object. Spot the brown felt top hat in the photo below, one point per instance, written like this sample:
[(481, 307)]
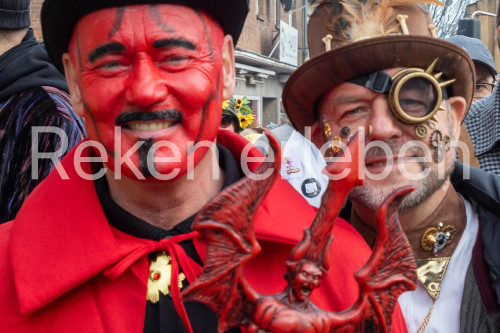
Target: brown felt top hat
[(367, 36)]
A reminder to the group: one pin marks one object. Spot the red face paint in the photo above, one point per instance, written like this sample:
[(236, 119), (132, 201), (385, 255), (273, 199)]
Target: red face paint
[(154, 71)]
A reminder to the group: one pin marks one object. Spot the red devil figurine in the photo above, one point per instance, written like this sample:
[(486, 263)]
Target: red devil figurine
[(231, 243)]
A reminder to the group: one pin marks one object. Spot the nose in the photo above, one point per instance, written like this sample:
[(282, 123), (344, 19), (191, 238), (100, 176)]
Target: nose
[(384, 123), (146, 86)]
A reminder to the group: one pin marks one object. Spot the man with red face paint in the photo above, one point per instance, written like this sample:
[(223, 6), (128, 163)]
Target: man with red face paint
[(149, 77)]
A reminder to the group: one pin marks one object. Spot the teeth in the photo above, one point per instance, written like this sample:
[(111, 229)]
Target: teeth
[(151, 126)]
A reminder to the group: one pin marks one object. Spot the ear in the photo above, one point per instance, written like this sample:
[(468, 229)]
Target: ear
[(458, 105), (229, 80), (74, 89)]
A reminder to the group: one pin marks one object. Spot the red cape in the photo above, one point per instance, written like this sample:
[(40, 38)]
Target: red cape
[(53, 257)]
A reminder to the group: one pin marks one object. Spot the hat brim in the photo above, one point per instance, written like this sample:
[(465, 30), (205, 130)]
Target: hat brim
[(60, 16), (327, 70)]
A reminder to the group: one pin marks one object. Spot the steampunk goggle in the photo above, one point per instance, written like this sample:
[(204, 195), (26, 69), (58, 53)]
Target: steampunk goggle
[(415, 94)]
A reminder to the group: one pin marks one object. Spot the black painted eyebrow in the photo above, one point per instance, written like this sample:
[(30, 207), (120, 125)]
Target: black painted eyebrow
[(174, 42), (102, 50)]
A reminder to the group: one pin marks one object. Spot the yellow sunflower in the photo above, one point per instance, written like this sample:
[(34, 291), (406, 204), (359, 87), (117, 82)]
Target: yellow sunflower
[(245, 120), (239, 101), (225, 105)]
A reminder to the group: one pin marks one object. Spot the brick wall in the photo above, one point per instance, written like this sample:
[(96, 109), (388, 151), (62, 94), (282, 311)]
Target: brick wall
[(36, 6)]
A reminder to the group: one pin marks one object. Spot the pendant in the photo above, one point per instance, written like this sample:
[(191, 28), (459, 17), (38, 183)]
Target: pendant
[(436, 238), (160, 273), (430, 273)]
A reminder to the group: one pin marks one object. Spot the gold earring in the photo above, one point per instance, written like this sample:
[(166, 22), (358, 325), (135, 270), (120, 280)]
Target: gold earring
[(370, 130), (327, 131), (336, 144)]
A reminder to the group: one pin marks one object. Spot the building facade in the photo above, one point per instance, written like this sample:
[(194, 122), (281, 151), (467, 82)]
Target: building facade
[(484, 11)]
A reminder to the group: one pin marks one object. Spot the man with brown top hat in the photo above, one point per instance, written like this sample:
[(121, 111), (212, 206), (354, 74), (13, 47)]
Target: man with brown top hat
[(105, 243), (378, 65)]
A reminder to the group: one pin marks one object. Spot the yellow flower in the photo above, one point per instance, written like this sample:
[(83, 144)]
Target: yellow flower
[(239, 101), (225, 105), (237, 107), (245, 120)]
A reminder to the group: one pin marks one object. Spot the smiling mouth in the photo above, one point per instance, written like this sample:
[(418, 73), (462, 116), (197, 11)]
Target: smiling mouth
[(149, 126), (149, 121)]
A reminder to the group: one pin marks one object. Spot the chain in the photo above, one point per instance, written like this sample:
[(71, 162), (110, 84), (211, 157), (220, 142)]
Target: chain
[(427, 318)]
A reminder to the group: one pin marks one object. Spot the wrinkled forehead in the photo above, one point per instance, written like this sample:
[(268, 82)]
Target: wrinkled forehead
[(143, 24)]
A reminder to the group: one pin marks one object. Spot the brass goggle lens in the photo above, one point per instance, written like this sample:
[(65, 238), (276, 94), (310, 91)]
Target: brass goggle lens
[(415, 94)]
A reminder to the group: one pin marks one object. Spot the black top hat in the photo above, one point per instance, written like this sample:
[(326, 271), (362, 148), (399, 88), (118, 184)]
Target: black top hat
[(60, 16)]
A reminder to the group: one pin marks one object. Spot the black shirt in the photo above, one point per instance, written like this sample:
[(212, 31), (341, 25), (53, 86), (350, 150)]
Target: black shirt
[(162, 316)]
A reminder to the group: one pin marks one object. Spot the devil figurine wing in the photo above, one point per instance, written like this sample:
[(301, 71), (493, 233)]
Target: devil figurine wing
[(389, 272), (227, 226)]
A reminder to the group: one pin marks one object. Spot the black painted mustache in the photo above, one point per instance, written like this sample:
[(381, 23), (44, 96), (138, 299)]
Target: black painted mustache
[(148, 116)]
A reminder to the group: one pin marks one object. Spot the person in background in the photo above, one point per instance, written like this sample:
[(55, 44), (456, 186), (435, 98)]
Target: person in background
[(107, 246), (387, 72), (485, 82), (36, 116), (483, 125), (236, 114), (484, 64), (230, 121)]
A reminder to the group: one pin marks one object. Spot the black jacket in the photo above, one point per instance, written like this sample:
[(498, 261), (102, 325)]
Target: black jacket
[(27, 66), (482, 189)]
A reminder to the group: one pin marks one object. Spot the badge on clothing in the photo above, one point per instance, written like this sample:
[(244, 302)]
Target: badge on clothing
[(311, 188)]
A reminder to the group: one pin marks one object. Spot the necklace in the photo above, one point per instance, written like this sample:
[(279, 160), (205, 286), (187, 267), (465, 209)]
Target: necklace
[(430, 273), (436, 238)]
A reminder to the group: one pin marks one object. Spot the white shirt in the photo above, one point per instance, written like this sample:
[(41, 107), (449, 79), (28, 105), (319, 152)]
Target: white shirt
[(302, 166), (446, 314)]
